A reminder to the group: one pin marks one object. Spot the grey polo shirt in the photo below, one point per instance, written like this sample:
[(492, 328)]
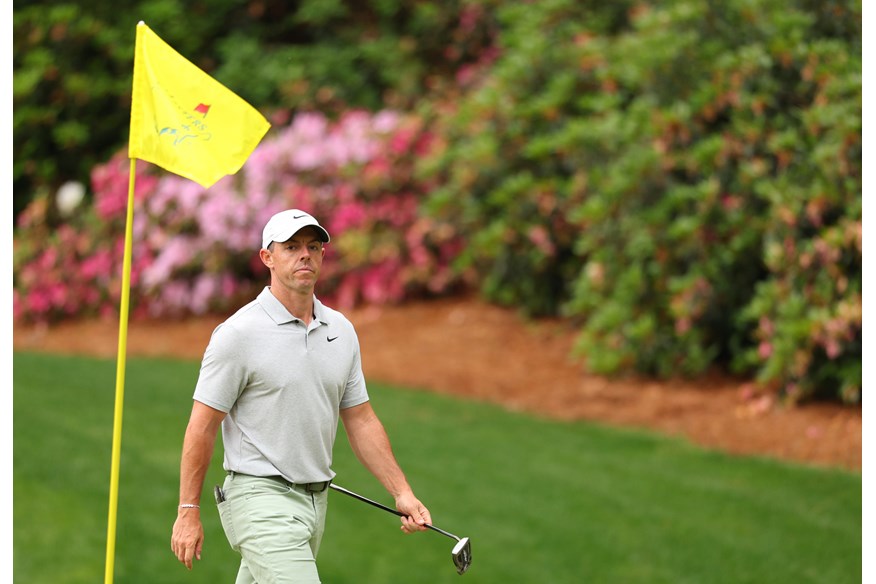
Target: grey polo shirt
[(282, 385)]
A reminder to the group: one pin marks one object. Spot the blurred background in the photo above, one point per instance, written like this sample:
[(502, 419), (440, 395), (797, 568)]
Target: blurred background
[(678, 181)]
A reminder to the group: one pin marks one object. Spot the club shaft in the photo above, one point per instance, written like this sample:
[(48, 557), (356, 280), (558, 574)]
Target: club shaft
[(395, 512)]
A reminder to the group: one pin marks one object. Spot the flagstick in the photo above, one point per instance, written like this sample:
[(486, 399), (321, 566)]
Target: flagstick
[(120, 380)]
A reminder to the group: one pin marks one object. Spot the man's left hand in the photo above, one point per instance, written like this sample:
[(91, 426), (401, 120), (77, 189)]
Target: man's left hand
[(416, 515)]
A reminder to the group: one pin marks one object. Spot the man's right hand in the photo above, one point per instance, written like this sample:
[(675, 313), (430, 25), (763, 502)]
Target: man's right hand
[(188, 536)]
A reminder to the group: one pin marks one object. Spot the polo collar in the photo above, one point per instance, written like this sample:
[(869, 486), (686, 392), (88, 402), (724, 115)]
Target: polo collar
[(280, 315), (319, 311)]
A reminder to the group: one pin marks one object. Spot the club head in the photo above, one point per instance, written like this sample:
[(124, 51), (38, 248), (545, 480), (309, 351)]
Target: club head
[(462, 555)]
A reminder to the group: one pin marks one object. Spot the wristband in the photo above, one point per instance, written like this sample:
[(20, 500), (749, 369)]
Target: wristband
[(189, 506)]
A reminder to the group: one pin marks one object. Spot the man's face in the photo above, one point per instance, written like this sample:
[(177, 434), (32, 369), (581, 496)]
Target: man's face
[(295, 264)]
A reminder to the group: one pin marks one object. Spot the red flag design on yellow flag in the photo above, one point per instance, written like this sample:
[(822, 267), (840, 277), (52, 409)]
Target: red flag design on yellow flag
[(185, 121)]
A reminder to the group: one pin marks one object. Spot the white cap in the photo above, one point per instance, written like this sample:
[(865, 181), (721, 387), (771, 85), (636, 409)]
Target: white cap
[(285, 224)]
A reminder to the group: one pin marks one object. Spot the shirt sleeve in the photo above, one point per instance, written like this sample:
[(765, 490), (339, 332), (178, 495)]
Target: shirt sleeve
[(222, 376), (355, 392)]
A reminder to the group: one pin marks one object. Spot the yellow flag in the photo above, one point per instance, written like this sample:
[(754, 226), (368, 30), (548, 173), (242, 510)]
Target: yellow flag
[(185, 121)]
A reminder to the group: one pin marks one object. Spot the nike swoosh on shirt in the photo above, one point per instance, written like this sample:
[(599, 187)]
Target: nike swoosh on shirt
[(330, 339)]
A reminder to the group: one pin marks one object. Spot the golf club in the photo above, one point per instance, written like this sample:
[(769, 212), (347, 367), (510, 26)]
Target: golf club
[(461, 553)]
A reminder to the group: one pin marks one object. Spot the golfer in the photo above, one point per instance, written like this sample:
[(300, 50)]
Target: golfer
[(276, 376)]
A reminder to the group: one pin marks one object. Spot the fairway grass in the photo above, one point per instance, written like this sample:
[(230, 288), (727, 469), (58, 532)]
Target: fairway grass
[(542, 501)]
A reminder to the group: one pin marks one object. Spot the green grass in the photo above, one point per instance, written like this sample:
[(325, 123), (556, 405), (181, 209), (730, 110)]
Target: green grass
[(542, 501)]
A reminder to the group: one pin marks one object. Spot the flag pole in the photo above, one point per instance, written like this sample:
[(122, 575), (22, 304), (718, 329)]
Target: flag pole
[(120, 380)]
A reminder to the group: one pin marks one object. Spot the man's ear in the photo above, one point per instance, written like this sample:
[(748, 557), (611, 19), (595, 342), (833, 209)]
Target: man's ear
[(266, 258)]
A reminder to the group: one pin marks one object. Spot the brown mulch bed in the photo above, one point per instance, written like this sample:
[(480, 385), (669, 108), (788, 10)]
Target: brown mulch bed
[(467, 348)]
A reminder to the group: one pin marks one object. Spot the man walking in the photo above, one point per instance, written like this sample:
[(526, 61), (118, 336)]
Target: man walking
[(276, 376)]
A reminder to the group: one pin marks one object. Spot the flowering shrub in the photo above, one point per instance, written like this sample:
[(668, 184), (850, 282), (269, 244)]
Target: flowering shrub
[(196, 251), (681, 179)]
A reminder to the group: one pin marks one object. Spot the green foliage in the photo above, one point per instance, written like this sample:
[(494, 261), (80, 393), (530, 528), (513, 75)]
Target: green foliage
[(73, 65), (328, 56), (685, 182), (69, 77), (686, 515)]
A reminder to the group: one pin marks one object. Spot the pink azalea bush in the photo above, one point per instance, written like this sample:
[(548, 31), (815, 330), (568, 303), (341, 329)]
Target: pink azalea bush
[(195, 251)]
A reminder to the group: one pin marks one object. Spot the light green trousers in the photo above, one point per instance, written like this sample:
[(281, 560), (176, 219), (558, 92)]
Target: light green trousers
[(275, 528)]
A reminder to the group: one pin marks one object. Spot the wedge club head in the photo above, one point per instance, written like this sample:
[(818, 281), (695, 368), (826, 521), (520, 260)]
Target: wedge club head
[(461, 555)]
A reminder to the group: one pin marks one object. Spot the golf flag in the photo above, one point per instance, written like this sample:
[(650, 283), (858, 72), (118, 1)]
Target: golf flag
[(185, 121), (188, 123)]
